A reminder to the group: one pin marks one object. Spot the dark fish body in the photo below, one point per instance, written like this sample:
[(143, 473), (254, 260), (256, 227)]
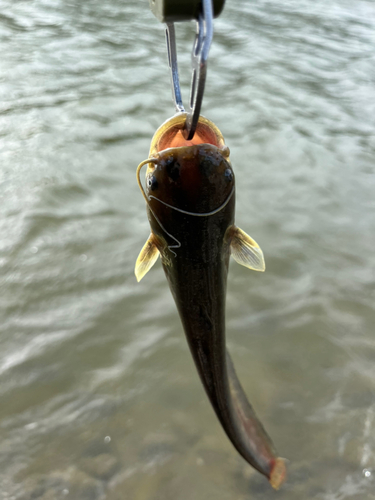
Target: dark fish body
[(190, 194)]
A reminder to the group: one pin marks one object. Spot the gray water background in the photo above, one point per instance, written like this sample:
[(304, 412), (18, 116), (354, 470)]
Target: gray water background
[(99, 398)]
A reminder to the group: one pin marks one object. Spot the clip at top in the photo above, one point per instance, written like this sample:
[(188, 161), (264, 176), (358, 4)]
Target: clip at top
[(199, 57), (173, 11)]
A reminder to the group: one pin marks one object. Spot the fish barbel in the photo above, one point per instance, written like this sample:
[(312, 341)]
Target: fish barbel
[(190, 197)]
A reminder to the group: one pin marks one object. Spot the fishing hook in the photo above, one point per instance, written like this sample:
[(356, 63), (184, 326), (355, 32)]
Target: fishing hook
[(201, 47)]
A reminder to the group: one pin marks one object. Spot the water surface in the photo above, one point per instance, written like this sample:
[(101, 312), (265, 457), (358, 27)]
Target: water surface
[(99, 398)]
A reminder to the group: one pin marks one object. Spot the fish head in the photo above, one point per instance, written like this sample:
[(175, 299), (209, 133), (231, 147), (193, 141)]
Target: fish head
[(195, 176)]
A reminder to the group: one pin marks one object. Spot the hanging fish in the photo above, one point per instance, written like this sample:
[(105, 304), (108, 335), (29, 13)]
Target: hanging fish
[(190, 197)]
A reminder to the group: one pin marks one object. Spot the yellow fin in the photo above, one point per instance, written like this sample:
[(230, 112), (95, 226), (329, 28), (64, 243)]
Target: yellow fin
[(146, 258), (245, 250)]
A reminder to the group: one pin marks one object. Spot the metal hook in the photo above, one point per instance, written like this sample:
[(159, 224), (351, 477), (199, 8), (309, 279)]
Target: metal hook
[(170, 36), (201, 47)]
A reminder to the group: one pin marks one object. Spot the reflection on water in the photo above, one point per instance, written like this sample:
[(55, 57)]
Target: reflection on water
[(98, 393)]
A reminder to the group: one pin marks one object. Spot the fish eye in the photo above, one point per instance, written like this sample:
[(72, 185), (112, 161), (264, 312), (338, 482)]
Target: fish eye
[(228, 174), (152, 183)]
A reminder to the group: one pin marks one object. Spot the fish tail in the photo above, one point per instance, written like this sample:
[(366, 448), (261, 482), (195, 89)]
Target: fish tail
[(248, 434)]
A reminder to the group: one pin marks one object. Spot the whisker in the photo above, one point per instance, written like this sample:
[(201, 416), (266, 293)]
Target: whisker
[(138, 173), (139, 168), (196, 214)]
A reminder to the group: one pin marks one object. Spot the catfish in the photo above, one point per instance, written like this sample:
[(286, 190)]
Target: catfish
[(190, 199)]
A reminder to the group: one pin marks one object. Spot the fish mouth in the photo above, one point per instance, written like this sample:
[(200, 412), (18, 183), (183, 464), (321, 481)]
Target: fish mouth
[(170, 135)]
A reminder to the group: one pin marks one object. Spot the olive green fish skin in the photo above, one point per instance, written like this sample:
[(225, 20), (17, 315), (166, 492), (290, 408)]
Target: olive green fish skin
[(195, 253)]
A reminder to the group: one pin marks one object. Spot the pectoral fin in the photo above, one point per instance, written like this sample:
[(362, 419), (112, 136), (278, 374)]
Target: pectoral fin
[(245, 250), (146, 259)]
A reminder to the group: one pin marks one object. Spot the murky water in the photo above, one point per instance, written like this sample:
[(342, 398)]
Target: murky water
[(99, 398)]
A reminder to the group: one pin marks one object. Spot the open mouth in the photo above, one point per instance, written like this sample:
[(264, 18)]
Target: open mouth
[(171, 135)]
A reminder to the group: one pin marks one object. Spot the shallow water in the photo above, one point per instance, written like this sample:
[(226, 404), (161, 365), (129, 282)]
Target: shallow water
[(99, 398)]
